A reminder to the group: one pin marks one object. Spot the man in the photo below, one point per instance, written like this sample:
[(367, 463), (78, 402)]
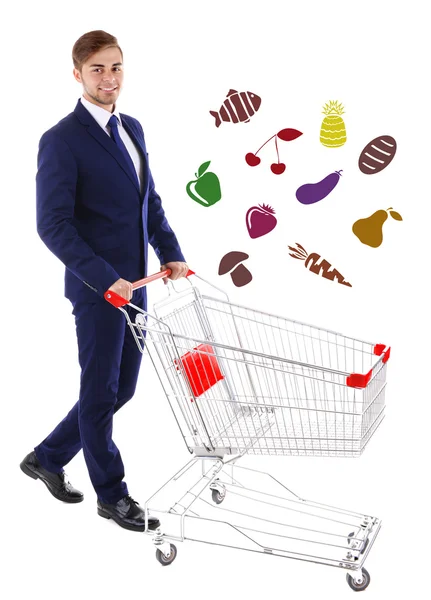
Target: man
[(97, 209)]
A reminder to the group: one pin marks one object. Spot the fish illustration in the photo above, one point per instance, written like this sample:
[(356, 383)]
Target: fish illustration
[(238, 107)]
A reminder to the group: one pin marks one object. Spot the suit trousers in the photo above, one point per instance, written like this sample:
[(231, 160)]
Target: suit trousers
[(110, 361)]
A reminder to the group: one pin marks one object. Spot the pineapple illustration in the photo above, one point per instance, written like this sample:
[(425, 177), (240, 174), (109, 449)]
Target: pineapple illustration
[(333, 130)]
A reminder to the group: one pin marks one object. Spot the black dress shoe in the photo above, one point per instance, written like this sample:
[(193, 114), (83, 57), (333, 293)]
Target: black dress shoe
[(127, 513), (56, 483)]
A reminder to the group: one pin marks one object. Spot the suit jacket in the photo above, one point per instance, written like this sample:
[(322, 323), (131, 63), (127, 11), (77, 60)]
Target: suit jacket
[(89, 210)]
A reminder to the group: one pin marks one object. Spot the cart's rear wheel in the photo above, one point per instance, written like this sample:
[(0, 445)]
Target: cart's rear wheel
[(358, 587), (218, 496), (166, 560)]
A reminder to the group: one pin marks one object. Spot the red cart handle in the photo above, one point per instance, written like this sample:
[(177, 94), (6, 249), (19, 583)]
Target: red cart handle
[(117, 300)]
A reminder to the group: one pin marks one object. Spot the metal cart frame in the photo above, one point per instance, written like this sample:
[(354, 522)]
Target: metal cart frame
[(243, 381)]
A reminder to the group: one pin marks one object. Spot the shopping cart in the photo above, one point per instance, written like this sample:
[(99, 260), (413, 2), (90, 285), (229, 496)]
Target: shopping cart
[(239, 381)]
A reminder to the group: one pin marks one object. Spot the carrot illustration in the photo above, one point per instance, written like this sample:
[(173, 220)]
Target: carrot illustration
[(312, 264)]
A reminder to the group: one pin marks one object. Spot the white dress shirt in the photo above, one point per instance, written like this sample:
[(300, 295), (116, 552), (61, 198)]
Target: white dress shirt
[(102, 116)]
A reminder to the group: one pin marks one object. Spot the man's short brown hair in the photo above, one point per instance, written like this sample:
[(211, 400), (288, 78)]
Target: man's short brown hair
[(92, 42)]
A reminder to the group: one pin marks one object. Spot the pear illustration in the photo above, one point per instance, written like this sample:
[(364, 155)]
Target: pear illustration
[(370, 230)]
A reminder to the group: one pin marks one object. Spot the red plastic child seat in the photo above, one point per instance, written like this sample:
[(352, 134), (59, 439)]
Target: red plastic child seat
[(201, 368)]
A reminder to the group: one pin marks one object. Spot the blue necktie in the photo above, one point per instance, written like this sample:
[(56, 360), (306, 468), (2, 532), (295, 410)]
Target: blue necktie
[(113, 123)]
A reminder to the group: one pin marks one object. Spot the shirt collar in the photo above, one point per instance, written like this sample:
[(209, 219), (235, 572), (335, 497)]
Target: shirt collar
[(101, 115)]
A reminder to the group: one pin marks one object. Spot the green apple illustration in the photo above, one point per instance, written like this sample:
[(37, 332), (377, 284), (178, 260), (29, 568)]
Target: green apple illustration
[(207, 186)]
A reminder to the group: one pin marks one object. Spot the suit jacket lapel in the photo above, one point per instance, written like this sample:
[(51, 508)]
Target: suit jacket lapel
[(138, 140), (108, 143)]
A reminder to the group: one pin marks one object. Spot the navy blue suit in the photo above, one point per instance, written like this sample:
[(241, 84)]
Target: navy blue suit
[(93, 217)]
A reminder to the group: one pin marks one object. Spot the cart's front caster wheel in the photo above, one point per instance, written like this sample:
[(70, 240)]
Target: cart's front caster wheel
[(358, 587), (218, 496), (166, 560)]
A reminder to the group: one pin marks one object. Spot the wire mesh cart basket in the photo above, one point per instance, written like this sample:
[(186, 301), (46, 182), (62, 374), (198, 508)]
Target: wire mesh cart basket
[(242, 381)]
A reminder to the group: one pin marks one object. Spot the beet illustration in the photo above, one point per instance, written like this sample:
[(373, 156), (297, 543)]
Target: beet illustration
[(314, 192), (260, 220)]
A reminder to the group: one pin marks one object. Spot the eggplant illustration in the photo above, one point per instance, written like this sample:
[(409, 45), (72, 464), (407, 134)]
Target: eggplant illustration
[(314, 192)]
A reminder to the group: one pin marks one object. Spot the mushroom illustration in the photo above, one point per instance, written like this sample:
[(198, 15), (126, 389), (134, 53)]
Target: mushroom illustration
[(232, 263)]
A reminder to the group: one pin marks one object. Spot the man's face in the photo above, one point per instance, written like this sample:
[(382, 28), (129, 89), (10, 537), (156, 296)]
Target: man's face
[(102, 77)]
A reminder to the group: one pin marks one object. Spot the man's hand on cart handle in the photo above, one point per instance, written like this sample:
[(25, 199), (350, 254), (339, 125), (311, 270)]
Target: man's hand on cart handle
[(178, 269), (123, 288), (120, 293)]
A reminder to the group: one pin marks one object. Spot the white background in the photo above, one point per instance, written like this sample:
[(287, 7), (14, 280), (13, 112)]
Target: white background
[(181, 58)]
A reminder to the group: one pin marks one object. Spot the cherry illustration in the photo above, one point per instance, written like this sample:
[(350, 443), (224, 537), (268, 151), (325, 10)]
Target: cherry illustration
[(277, 168), (252, 159)]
